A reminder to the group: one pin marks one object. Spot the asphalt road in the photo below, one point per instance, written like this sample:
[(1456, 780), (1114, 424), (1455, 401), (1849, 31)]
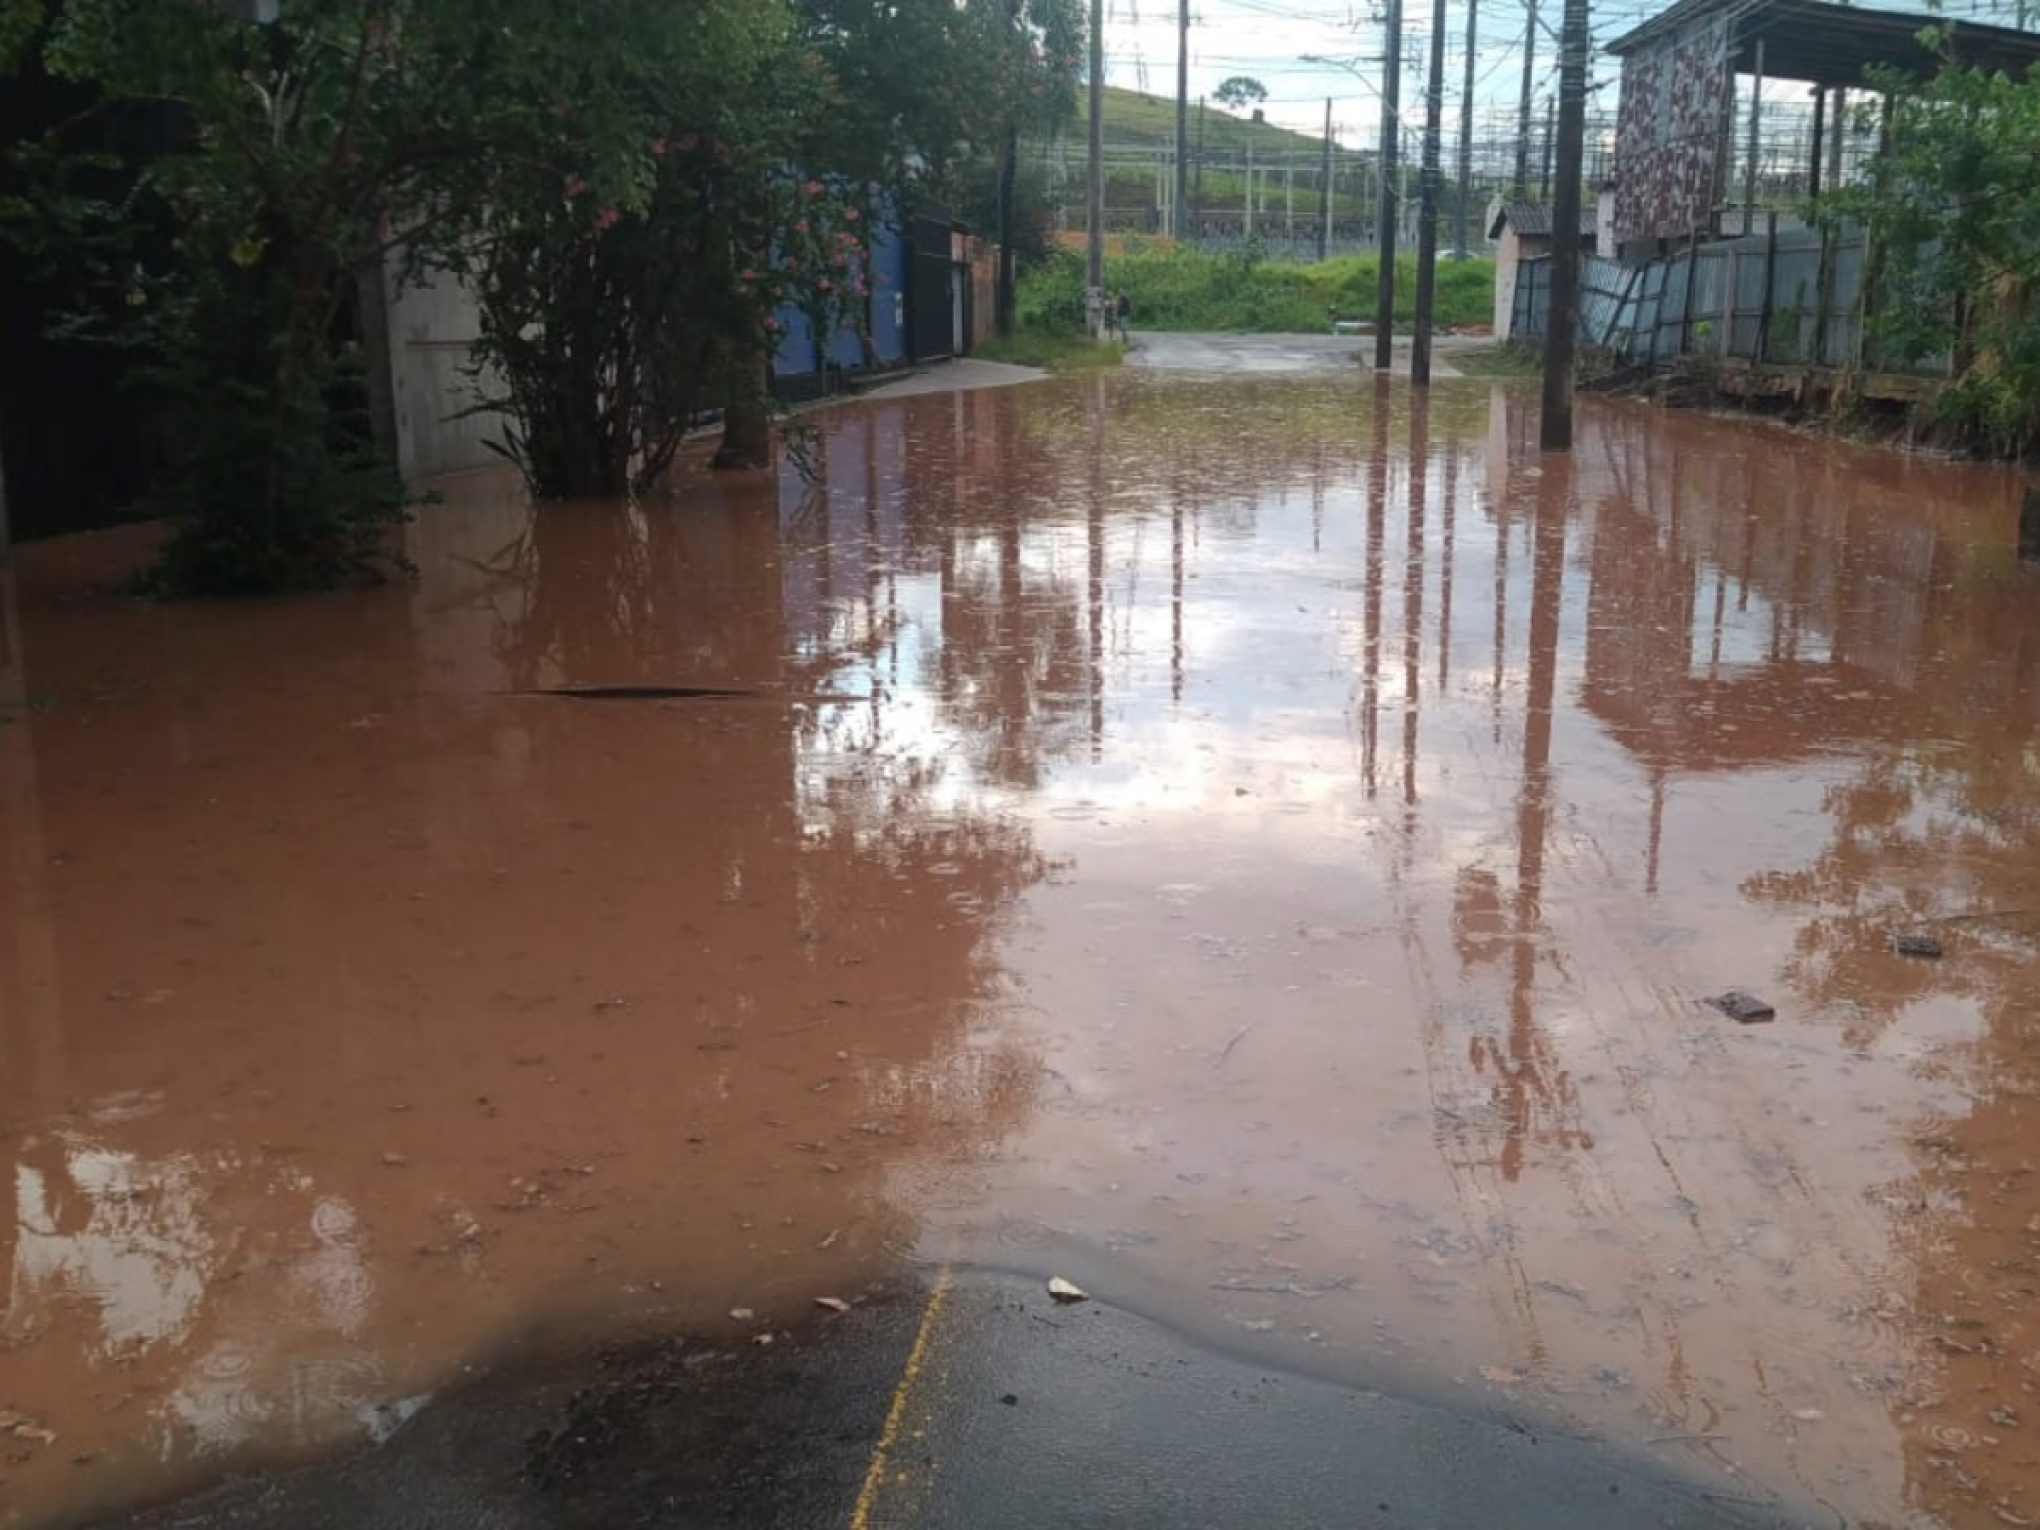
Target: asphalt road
[(975, 1402)]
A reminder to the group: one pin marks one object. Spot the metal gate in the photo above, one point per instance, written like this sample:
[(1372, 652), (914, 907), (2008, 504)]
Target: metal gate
[(931, 323)]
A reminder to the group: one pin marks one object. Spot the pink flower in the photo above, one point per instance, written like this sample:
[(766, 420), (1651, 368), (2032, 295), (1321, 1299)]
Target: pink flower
[(771, 322), (823, 284), (850, 214), (575, 185), (658, 148), (609, 218), (812, 188)]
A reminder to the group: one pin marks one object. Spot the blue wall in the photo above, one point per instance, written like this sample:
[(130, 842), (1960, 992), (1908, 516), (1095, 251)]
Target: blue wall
[(797, 357)]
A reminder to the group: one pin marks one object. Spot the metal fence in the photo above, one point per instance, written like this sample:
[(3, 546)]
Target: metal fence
[(1783, 297)]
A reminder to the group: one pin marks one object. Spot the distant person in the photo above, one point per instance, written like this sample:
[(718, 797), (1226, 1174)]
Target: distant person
[(1122, 311)]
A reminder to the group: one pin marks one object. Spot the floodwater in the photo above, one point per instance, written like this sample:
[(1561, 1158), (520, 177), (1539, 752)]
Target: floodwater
[(1257, 847)]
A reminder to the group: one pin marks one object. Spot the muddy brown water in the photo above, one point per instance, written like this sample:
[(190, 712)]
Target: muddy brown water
[(1258, 848)]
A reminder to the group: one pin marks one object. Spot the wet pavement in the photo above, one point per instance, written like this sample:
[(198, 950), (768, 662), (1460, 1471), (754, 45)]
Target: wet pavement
[(1285, 355), (978, 1402), (1259, 847)]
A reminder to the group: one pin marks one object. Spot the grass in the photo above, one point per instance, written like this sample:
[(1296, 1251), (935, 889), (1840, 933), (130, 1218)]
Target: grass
[(1054, 349), (1188, 289), (1511, 358)]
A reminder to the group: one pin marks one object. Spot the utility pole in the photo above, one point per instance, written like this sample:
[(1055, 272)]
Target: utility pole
[(1180, 223), (1197, 206), (1749, 205), (1094, 252), (1250, 189), (1009, 173), (1391, 125), (1427, 203), (1523, 103), (1550, 144), (1466, 130), (1561, 329), (1324, 192)]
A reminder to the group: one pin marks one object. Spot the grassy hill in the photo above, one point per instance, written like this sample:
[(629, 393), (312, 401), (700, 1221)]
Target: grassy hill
[(1140, 123), (1132, 118)]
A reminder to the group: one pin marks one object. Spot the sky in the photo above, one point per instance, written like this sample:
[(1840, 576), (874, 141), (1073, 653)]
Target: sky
[(1269, 39)]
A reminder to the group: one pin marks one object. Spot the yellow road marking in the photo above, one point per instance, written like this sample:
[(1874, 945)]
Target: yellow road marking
[(902, 1398)]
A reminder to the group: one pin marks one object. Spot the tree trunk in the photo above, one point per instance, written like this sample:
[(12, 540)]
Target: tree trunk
[(747, 423)]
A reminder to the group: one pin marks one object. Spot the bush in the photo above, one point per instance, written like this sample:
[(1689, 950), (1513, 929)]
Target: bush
[(1245, 292)]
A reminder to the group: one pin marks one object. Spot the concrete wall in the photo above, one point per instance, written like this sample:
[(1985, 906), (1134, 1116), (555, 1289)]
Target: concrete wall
[(1508, 256)]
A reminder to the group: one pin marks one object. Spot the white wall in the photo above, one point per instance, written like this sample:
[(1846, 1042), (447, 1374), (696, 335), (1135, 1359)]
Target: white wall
[(1508, 251), (433, 325)]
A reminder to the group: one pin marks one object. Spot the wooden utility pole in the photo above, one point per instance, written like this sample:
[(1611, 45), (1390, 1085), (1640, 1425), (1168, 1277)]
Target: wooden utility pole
[(1324, 191), (1009, 174), (1463, 246), (1391, 133), (1249, 225), (1524, 102), (1562, 324), (1094, 251), (1427, 203), (1814, 160), (1009, 165), (1756, 144), (1550, 139), (1179, 224)]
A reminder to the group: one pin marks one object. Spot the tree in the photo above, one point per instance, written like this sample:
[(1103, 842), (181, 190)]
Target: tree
[(221, 251), (607, 326), (1951, 210), (1241, 90), (920, 94)]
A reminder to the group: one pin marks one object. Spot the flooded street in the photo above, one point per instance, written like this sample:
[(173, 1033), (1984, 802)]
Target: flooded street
[(1258, 848)]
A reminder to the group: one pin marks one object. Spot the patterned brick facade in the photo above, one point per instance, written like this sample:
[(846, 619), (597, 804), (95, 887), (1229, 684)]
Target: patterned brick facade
[(1668, 136)]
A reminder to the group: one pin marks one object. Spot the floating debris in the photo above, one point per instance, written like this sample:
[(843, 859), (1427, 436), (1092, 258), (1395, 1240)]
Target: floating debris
[(1743, 1008), (1063, 1291), (1916, 943), (832, 1303)]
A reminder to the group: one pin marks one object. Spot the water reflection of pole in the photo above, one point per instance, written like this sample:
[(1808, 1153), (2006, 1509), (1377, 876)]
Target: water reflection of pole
[(1094, 529), (1413, 605), (1012, 654), (1176, 595), (29, 993), (1450, 539), (1501, 510), (1533, 806), (1317, 497), (1370, 663)]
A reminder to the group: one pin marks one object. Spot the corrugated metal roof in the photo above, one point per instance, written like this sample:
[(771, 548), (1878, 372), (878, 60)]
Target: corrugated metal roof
[(1826, 44), (1533, 219)]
